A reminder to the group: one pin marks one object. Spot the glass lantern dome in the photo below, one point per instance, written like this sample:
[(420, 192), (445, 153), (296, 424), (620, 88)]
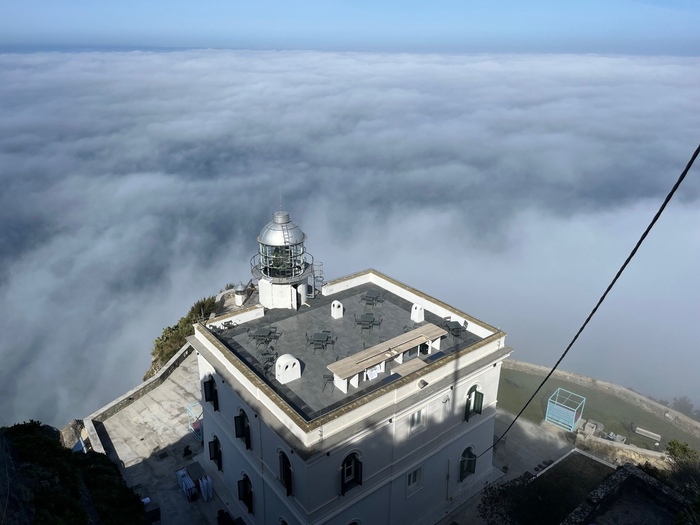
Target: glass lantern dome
[(281, 251)]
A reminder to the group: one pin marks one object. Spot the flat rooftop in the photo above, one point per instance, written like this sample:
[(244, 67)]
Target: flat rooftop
[(312, 395)]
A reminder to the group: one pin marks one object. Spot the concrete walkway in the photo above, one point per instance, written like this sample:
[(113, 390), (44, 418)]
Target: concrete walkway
[(526, 446), (147, 439)]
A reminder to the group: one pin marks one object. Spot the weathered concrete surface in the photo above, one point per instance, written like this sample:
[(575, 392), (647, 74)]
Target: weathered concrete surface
[(147, 439)]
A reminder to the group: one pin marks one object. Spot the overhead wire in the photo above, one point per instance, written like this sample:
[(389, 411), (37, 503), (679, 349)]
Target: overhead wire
[(605, 294)]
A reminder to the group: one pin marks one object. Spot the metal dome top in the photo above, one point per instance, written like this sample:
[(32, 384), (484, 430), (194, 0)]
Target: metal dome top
[(281, 231)]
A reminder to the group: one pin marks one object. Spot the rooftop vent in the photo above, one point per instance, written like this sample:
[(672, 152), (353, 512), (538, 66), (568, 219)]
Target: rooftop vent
[(287, 369), (417, 313), (337, 310)]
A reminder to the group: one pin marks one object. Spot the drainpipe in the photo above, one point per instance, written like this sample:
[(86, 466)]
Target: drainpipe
[(447, 487)]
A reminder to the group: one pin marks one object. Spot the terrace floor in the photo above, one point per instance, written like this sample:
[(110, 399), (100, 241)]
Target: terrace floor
[(310, 395), (147, 439)]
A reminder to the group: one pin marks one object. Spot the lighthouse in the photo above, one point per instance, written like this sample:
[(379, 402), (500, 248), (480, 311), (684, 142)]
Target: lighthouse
[(283, 268)]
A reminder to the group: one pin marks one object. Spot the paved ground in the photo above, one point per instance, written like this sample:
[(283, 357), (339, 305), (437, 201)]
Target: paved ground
[(526, 446), (147, 439)]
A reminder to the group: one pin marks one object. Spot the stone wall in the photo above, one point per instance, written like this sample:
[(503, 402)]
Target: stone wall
[(630, 479), (620, 453)]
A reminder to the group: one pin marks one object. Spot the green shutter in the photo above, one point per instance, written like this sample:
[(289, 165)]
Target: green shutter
[(239, 426), (471, 464), (215, 400), (467, 464), (467, 409), (478, 401)]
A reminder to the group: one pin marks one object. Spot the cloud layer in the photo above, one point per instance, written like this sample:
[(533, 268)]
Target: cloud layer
[(512, 186)]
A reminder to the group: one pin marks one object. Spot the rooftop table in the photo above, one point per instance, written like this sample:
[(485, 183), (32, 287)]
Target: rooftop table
[(321, 340), (321, 337), (264, 335), (361, 361), (368, 321), (372, 297), (454, 327)]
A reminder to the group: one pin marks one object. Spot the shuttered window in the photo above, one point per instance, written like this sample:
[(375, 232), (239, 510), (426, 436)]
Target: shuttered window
[(286, 472), (467, 464), (242, 428), (474, 403), (350, 473), (211, 395), (215, 452), (245, 493)]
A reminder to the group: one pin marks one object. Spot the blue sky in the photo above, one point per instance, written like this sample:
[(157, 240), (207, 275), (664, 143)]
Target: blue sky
[(623, 26)]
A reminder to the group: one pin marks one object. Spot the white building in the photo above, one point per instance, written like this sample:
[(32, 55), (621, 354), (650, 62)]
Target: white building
[(357, 401)]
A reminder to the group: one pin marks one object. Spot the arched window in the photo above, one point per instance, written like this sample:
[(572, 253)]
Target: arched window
[(215, 452), (245, 493), (240, 422), (210, 393), (474, 403), (467, 464), (350, 473), (285, 472)]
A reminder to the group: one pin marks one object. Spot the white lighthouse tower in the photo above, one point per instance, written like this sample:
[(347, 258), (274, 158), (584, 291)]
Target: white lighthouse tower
[(282, 266)]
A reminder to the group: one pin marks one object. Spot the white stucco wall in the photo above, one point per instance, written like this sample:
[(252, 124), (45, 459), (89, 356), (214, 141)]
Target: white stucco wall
[(388, 451)]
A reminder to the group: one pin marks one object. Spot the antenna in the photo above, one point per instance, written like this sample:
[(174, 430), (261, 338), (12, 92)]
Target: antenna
[(280, 190)]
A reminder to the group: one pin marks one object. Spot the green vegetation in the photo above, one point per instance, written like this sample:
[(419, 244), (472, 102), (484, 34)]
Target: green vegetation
[(683, 476), (547, 499), (53, 485), (681, 453), (615, 413), (173, 337), (681, 404)]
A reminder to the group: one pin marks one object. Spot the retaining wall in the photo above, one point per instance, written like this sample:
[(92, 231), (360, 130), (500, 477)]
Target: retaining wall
[(132, 395), (620, 453)]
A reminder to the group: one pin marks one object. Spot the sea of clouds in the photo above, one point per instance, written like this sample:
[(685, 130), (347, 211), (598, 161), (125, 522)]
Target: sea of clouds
[(511, 186)]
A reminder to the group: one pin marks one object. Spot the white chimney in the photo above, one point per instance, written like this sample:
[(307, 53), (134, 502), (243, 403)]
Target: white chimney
[(417, 313), (239, 294), (336, 310)]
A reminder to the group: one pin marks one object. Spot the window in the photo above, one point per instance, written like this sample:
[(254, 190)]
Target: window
[(240, 422), (475, 402), (286, 472), (245, 493), (215, 452), (467, 464), (417, 421), (414, 480), (210, 393), (350, 473)]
